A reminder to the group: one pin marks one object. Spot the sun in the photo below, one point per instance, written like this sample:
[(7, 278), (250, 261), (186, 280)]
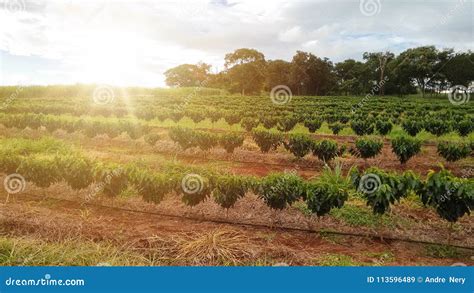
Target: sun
[(110, 58)]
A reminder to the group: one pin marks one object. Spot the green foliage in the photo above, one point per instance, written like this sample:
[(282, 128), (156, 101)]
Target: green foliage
[(43, 171), (185, 137), (368, 148), (336, 127), (152, 138), (76, 170), (383, 127), (382, 189), (268, 121), (206, 140), (405, 147), (330, 191), (112, 179), (281, 189), (299, 144), (228, 190), (452, 197), (287, 123), (151, 187), (437, 127), (232, 118), (362, 127), (325, 150), (249, 123), (313, 124), (412, 127), (231, 140), (267, 140), (452, 151), (464, 127), (194, 188)]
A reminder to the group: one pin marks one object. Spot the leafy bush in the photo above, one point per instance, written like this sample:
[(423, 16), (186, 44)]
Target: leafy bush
[(453, 151), (368, 148), (194, 188), (229, 141), (228, 190), (185, 137), (112, 179), (196, 116), (412, 127), (280, 189), (330, 191), (152, 138), (267, 140), (206, 140), (232, 118), (268, 121), (313, 124), (451, 197), (77, 171), (405, 147), (214, 116), (464, 127), (151, 187), (42, 171), (287, 123), (336, 127), (383, 127), (325, 150), (437, 127), (249, 123), (382, 189), (362, 127), (299, 144)]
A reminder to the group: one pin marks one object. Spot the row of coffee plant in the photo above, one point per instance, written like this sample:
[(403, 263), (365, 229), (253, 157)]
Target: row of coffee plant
[(300, 145), (452, 197)]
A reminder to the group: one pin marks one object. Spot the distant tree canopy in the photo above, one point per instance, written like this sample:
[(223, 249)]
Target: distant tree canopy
[(424, 69), (187, 75)]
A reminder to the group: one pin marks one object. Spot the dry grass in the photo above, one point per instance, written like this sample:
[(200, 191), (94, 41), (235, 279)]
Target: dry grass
[(221, 246)]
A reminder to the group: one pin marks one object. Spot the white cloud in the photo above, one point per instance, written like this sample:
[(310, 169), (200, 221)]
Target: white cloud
[(134, 42)]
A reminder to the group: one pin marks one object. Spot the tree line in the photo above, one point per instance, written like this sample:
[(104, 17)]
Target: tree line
[(423, 69)]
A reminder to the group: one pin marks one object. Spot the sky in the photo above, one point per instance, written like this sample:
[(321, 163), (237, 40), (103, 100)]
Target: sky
[(132, 43)]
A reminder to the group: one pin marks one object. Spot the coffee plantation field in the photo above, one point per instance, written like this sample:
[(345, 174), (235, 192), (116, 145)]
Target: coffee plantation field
[(156, 175)]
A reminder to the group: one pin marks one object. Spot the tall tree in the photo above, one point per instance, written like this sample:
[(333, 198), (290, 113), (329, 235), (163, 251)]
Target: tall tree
[(459, 70), (420, 65), (378, 63), (277, 73), (187, 75), (245, 70), (352, 77), (310, 75)]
